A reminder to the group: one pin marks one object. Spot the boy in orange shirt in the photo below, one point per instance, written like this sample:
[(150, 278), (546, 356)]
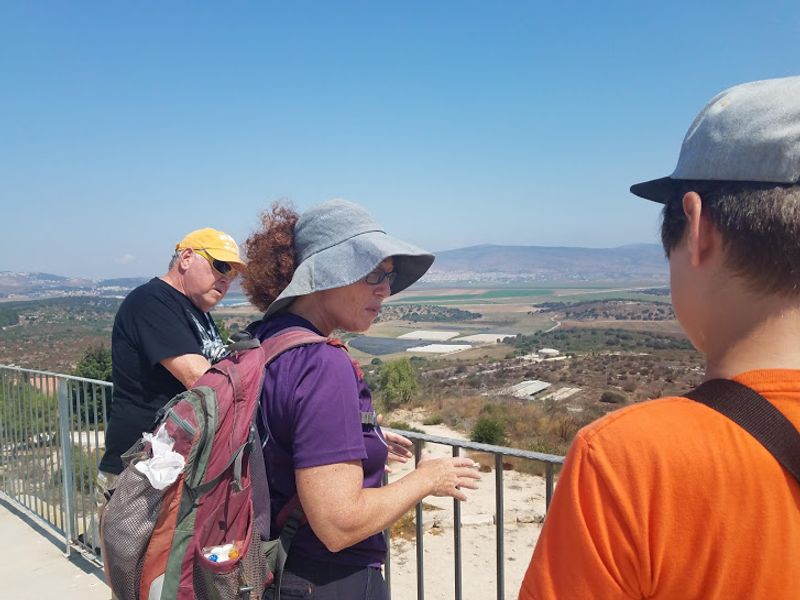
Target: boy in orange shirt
[(669, 498)]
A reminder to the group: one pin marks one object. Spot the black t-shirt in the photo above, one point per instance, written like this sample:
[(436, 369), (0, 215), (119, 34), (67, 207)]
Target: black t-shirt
[(154, 322)]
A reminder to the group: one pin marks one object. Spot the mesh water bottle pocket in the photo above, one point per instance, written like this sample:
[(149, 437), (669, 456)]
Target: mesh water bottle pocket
[(229, 558), (128, 522)]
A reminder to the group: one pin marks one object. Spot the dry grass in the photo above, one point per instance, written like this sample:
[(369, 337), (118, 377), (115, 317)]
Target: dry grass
[(405, 527)]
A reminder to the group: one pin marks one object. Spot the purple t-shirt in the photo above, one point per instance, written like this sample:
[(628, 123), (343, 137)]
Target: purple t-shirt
[(311, 404)]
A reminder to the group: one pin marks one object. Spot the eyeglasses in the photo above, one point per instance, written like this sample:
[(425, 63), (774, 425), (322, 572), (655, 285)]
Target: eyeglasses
[(220, 266), (377, 276)]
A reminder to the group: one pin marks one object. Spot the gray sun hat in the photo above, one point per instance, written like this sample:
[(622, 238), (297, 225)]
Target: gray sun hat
[(748, 133), (338, 243)]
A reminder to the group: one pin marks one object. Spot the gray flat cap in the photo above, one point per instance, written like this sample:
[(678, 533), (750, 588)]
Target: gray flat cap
[(337, 243), (750, 132)]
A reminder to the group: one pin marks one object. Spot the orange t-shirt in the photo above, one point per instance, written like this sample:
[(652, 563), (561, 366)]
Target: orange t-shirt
[(670, 499)]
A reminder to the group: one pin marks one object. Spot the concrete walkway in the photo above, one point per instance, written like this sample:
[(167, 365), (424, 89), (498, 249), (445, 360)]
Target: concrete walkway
[(33, 566)]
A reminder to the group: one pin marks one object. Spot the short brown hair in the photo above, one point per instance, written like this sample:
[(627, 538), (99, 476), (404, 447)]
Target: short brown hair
[(270, 255), (760, 228)]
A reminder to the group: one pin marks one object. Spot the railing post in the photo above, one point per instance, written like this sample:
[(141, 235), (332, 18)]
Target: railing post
[(548, 485), (50, 465), (66, 466), (419, 533), (457, 536), (387, 564), (16, 435), (5, 455), (37, 451), (498, 482), (29, 490)]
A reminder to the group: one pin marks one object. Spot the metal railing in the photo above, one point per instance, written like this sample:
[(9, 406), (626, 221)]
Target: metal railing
[(498, 453), (52, 436)]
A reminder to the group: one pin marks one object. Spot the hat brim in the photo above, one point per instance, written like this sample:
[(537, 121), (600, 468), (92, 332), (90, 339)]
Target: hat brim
[(226, 256), (350, 261), (657, 190)]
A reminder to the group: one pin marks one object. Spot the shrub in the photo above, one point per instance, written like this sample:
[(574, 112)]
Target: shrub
[(433, 420), (405, 527), (418, 361), (612, 397), (545, 447), (488, 431), (84, 470)]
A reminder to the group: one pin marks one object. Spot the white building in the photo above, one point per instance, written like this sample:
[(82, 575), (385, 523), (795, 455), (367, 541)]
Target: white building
[(525, 390), (486, 338), (439, 348), (428, 335)]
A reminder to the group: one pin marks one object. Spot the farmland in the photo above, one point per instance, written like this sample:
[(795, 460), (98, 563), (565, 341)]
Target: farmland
[(614, 346)]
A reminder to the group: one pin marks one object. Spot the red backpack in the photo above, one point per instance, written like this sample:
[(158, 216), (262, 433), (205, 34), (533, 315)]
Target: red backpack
[(207, 535)]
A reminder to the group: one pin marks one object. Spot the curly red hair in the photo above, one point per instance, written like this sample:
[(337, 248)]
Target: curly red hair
[(270, 255)]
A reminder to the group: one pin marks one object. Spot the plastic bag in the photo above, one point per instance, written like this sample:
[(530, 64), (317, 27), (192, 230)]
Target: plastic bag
[(165, 465)]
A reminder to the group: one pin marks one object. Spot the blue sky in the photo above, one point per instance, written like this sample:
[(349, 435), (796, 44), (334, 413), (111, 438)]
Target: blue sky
[(125, 125)]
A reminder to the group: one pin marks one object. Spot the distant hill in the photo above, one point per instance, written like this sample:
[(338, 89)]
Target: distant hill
[(481, 264), (544, 263), (25, 284)]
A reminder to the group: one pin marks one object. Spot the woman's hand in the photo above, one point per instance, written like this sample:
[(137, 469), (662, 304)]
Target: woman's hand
[(447, 476), (399, 446), (342, 512)]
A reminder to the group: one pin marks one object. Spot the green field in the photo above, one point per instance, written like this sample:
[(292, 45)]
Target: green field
[(584, 296), (561, 294)]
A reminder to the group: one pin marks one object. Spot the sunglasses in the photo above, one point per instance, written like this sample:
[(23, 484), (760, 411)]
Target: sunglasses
[(220, 266), (377, 276)]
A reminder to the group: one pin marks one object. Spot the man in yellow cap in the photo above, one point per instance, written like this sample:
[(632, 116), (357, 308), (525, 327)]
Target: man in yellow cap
[(164, 339)]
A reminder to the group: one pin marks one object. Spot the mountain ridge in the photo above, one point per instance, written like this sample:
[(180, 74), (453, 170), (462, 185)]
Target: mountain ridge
[(494, 262), (489, 263)]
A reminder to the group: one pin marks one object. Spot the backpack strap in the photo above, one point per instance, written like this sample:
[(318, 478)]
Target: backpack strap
[(289, 338), (756, 415), (289, 519), (258, 483), (244, 340), (241, 340), (238, 342)]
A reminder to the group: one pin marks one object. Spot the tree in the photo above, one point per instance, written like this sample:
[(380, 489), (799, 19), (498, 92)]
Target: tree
[(397, 383), (87, 399), (8, 316), (95, 363)]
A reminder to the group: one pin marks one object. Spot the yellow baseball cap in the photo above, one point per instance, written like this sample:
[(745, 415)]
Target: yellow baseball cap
[(216, 243)]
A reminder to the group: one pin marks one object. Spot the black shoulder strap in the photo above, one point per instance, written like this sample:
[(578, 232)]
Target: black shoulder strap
[(756, 415)]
